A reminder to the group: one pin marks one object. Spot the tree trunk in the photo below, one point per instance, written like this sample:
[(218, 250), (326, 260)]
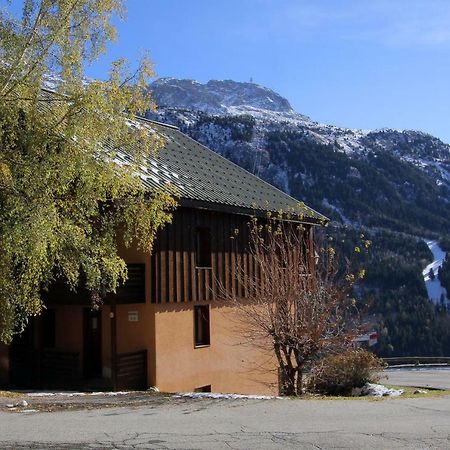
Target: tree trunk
[(290, 377), (288, 381)]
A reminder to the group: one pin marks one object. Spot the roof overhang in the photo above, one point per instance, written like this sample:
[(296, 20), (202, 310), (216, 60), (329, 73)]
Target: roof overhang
[(231, 209)]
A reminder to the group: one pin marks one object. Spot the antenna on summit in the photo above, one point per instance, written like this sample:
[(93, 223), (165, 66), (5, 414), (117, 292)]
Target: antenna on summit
[(251, 79)]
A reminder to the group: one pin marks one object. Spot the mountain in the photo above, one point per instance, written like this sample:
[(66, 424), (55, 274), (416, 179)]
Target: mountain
[(399, 180), (390, 186), (217, 97)]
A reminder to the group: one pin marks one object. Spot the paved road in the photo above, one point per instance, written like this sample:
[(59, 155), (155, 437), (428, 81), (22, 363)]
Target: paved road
[(166, 423), (426, 377), (238, 424)]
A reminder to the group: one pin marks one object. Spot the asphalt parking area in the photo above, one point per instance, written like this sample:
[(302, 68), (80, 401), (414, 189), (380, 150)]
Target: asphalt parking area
[(144, 420)]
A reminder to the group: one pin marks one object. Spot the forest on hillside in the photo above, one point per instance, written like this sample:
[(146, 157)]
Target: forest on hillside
[(393, 294), (376, 191)]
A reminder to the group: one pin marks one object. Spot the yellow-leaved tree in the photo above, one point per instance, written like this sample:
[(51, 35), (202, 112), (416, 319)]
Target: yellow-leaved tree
[(63, 199)]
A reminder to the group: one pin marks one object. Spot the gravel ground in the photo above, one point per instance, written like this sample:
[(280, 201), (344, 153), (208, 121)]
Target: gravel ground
[(75, 401)]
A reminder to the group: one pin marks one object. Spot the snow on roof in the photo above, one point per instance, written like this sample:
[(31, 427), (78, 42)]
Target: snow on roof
[(201, 175)]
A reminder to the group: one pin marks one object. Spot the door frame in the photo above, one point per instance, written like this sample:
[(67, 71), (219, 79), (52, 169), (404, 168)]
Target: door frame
[(92, 343)]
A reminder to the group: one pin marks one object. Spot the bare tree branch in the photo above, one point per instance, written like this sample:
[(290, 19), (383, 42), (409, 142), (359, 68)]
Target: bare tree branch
[(298, 307)]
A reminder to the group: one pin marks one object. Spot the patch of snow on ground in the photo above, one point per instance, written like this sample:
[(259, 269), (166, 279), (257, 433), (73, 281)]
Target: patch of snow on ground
[(434, 287), (217, 395), (376, 390), (76, 394)]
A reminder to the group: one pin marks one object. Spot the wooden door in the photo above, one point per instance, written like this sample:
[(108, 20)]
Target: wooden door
[(24, 358), (92, 343)]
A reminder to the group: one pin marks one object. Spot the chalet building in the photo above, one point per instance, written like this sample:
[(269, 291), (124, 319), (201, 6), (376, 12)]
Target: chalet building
[(167, 326)]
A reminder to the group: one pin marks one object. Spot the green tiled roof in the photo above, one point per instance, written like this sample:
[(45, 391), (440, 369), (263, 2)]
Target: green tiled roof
[(205, 179)]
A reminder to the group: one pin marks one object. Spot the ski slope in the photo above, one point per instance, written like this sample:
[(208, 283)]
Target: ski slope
[(434, 287)]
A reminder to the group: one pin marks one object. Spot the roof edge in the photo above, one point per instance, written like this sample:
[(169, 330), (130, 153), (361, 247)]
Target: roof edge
[(231, 209), (322, 217), (162, 124)]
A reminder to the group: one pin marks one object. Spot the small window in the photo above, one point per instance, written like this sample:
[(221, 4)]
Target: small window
[(203, 247), (206, 388), (133, 290), (201, 325)]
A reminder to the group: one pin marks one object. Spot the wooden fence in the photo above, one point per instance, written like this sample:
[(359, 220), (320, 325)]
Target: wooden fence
[(60, 366), (132, 370)]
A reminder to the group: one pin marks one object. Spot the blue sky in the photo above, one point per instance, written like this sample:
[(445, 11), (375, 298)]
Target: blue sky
[(354, 63)]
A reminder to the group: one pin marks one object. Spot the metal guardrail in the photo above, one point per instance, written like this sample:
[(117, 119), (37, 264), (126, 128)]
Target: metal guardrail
[(417, 361)]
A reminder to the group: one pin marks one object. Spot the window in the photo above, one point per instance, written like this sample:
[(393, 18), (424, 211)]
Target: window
[(206, 388), (201, 325), (203, 249), (133, 290)]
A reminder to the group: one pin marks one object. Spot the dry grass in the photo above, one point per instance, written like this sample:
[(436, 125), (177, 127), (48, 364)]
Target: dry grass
[(10, 394)]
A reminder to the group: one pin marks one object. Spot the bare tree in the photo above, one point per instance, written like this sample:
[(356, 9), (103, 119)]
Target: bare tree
[(298, 300)]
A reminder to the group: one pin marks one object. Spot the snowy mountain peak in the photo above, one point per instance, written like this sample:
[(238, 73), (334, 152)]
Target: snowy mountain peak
[(258, 129), (216, 96)]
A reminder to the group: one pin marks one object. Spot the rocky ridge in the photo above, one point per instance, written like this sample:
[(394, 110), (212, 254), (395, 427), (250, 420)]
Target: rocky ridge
[(393, 178), (389, 185)]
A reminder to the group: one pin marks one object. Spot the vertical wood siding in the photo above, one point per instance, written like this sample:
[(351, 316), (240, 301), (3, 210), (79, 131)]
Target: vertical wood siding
[(175, 277)]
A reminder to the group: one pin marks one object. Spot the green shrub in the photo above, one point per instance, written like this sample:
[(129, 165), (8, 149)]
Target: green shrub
[(338, 374)]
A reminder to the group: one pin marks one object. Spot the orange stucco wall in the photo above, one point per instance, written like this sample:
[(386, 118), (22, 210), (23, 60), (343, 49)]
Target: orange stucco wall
[(166, 331), (228, 364), (174, 364), (69, 328), (131, 336)]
